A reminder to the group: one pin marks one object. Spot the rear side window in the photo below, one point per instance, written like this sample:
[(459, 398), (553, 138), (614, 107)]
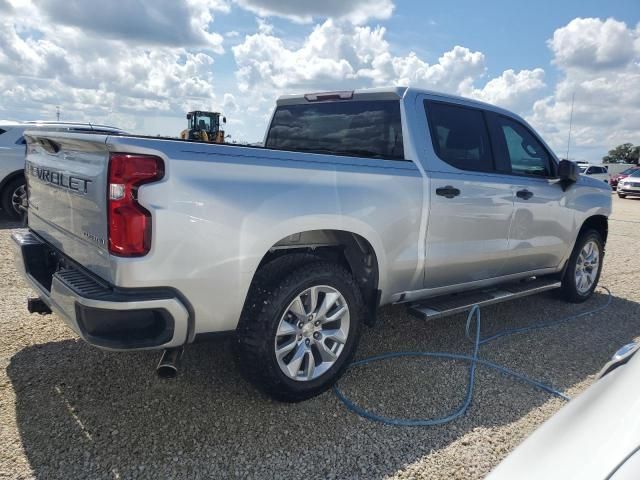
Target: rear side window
[(370, 129), (459, 136), (525, 153), (2, 131)]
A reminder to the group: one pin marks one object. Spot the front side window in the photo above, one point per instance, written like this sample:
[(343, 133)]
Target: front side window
[(359, 128), (459, 136), (526, 154)]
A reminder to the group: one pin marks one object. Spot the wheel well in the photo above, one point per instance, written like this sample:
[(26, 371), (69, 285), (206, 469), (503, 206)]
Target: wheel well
[(351, 250), (598, 223)]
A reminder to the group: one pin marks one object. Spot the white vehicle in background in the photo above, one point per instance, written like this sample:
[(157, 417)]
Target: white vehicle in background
[(599, 172), (630, 186), (594, 437), (12, 153)]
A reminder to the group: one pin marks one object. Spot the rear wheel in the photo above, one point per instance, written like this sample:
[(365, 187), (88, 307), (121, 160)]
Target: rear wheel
[(585, 264), (299, 332), (14, 198)]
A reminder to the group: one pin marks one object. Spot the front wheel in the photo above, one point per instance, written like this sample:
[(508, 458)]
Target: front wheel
[(621, 195), (585, 264), (303, 333)]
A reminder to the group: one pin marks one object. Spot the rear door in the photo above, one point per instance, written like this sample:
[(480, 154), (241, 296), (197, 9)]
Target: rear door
[(471, 206), (542, 226)]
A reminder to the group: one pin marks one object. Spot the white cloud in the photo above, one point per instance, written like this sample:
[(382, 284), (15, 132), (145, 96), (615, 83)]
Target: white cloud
[(229, 103), (339, 55), (152, 22), (112, 68), (304, 11), (95, 78), (511, 90), (456, 67), (600, 63), (592, 44)]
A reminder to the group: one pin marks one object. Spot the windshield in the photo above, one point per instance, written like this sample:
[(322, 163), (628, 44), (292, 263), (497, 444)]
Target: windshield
[(583, 169), (635, 173), (355, 128)]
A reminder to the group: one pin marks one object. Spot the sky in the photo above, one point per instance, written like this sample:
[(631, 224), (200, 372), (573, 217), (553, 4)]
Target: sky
[(142, 64)]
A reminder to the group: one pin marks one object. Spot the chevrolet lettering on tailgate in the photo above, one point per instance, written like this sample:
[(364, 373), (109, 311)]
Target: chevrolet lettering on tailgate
[(59, 179)]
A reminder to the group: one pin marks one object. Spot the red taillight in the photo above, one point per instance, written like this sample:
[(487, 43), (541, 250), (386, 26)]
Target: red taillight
[(129, 222)]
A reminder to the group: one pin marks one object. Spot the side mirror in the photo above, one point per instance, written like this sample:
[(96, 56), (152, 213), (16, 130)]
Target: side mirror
[(224, 119), (568, 173), (188, 116)]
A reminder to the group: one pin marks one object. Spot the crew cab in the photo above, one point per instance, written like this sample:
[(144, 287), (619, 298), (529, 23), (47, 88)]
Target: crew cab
[(358, 199)]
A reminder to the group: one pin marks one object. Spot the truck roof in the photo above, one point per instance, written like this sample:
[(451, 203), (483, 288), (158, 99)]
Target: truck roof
[(380, 93)]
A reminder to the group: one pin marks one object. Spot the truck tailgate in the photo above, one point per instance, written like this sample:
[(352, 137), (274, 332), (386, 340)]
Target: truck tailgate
[(67, 186)]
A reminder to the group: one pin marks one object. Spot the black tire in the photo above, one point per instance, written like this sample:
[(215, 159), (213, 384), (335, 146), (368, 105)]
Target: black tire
[(275, 287), (570, 291), (7, 194), (622, 195)]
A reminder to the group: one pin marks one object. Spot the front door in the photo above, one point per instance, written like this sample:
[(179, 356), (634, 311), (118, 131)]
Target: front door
[(542, 226)]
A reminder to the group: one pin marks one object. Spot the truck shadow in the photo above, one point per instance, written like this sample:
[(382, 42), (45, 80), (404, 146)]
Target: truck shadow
[(85, 413), (7, 224)]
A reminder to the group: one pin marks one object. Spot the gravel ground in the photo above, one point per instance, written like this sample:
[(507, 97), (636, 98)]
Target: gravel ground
[(68, 410)]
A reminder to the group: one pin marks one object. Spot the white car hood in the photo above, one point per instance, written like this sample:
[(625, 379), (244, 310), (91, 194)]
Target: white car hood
[(588, 438)]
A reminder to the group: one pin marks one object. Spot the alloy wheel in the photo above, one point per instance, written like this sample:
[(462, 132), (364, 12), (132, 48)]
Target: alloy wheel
[(587, 266), (19, 199), (312, 333)]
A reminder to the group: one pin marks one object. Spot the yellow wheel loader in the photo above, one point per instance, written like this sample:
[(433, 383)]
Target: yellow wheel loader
[(204, 127)]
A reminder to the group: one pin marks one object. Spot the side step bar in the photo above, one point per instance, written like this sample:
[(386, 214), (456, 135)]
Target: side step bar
[(445, 305)]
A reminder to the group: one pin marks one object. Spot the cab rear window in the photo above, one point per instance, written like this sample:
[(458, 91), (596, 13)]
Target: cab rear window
[(370, 129)]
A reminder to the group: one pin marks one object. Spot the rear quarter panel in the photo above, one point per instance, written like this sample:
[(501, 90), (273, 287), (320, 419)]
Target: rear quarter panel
[(221, 208)]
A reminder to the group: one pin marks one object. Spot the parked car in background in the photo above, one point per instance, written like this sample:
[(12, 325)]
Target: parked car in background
[(596, 436), (615, 179), (617, 168), (630, 186), (599, 172), (12, 153)]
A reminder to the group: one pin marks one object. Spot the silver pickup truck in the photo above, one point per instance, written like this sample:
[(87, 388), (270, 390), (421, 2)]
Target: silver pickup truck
[(357, 199)]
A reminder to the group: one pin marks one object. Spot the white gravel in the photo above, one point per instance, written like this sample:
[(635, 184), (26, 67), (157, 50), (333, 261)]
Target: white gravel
[(68, 410)]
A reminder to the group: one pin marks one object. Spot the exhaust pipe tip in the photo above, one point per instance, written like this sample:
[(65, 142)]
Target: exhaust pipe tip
[(168, 366), (167, 371), (37, 305)]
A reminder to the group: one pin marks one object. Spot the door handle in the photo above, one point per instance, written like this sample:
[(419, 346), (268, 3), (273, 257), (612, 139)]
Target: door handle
[(524, 194), (448, 191)]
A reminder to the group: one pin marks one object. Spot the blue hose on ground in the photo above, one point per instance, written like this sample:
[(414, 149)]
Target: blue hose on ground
[(474, 361)]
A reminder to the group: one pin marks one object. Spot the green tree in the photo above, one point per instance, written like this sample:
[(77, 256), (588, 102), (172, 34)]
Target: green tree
[(625, 153)]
